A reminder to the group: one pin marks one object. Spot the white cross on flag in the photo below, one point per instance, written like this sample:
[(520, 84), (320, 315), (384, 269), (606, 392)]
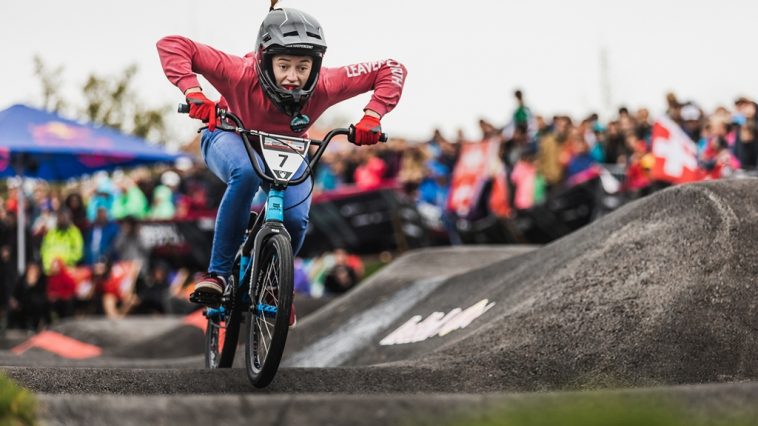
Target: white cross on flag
[(675, 153)]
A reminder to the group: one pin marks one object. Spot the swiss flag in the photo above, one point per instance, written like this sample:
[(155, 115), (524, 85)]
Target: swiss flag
[(675, 153)]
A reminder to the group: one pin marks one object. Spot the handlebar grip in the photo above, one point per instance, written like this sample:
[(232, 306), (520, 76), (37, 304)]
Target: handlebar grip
[(351, 135), (185, 108)]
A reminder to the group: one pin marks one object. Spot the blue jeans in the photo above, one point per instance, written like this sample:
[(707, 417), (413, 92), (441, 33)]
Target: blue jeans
[(226, 157)]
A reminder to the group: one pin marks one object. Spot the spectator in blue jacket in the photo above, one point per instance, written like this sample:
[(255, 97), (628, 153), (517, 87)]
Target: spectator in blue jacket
[(104, 196), (100, 238)]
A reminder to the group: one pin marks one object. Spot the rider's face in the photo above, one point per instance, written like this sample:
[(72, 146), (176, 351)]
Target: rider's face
[(292, 72)]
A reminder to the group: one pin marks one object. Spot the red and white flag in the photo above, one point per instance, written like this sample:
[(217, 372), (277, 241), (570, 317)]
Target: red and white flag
[(675, 153), (478, 162)]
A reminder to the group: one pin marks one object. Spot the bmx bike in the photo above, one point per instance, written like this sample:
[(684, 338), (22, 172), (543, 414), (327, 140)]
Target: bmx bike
[(260, 289)]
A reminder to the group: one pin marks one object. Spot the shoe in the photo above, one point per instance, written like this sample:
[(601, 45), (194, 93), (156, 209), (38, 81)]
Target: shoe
[(293, 316), (208, 290)]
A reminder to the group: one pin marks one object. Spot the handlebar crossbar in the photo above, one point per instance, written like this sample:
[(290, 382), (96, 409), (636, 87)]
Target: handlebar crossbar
[(240, 129)]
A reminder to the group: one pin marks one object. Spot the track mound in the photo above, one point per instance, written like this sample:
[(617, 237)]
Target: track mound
[(111, 333), (662, 291)]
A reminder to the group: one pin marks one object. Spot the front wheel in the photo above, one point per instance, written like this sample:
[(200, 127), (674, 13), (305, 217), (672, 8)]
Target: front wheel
[(268, 322)]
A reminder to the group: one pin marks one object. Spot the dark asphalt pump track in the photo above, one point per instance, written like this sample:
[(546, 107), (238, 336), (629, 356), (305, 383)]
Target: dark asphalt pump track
[(661, 292)]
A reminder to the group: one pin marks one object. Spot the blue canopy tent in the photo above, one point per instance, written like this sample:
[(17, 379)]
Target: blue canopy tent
[(41, 144)]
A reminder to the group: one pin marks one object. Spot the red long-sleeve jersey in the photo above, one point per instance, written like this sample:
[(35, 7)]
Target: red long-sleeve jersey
[(236, 79)]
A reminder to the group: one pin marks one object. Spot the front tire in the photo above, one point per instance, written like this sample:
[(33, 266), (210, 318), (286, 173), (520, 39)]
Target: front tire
[(268, 322)]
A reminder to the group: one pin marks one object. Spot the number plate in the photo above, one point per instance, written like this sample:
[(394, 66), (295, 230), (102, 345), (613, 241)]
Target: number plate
[(284, 156)]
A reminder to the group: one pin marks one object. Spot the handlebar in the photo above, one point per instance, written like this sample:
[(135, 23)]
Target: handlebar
[(184, 109), (245, 133)]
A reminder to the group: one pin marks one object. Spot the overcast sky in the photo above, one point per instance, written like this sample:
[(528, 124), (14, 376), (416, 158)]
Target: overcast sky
[(464, 58)]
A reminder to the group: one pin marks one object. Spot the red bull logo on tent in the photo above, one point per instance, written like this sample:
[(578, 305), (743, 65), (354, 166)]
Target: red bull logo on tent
[(58, 133)]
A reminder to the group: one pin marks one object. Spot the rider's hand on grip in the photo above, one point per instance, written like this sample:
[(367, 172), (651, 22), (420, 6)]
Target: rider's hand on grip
[(202, 108), (367, 131)]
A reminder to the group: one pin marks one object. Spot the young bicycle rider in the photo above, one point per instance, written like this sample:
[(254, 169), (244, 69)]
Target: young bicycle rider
[(280, 88)]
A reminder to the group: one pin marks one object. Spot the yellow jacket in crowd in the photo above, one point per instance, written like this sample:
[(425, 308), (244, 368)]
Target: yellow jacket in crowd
[(66, 244)]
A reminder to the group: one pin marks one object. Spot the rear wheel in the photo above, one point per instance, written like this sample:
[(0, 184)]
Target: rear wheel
[(222, 331), (215, 333), (268, 322)]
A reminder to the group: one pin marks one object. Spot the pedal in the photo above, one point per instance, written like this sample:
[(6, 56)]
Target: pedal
[(205, 298)]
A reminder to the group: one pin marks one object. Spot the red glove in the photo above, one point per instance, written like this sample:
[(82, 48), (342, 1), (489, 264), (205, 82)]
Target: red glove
[(367, 131), (202, 108)]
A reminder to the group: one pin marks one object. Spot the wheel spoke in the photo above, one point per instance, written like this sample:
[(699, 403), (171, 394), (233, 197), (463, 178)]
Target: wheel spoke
[(274, 298), (262, 337), (268, 329)]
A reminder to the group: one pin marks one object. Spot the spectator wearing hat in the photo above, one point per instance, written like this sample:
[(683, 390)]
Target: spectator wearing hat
[(104, 196), (691, 120)]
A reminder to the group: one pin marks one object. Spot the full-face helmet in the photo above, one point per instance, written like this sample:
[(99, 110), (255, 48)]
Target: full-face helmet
[(289, 31)]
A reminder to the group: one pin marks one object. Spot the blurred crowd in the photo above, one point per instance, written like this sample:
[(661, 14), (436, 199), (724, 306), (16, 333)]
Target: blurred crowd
[(93, 224), (77, 233), (539, 156), (561, 150)]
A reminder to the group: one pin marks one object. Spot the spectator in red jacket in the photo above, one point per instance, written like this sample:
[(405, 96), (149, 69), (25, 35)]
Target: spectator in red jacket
[(370, 173), (61, 290)]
